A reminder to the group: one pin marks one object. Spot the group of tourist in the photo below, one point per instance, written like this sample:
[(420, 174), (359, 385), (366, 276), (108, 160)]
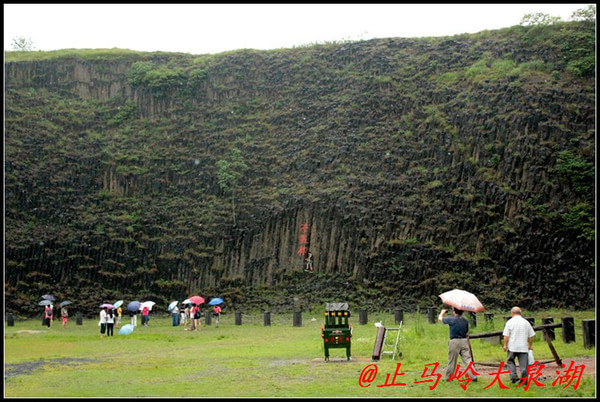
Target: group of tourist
[(49, 315), (190, 316)]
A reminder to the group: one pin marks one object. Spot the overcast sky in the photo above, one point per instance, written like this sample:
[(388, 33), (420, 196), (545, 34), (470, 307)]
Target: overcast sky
[(214, 28)]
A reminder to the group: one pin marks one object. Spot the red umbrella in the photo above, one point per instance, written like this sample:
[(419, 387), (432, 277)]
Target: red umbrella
[(197, 300), (463, 300)]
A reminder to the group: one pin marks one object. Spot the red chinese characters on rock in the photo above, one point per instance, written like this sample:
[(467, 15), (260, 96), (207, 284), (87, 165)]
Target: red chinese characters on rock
[(302, 250)]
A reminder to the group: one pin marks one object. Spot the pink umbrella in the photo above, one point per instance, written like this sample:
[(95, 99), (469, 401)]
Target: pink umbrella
[(463, 300), (108, 306), (197, 300)]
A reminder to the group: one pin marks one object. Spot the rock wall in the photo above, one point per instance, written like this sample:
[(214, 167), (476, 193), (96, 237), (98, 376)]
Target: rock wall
[(412, 174)]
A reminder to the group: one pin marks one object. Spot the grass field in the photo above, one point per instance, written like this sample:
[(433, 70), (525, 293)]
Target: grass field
[(251, 360)]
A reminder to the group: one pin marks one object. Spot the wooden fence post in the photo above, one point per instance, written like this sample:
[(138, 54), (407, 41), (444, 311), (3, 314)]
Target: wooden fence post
[(297, 318), (472, 319), (431, 314), (398, 316), (238, 318), (362, 317), (568, 329), (589, 333), (207, 317), (79, 318), (267, 317), (550, 331)]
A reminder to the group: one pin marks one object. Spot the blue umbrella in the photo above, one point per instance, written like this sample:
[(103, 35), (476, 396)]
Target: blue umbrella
[(44, 303), (172, 305), (49, 297), (126, 329), (215, 301), (118, 303), (133, 306), (65, 303)]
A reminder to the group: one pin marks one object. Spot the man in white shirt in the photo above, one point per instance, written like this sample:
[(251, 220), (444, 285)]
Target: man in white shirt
[(518, 339)]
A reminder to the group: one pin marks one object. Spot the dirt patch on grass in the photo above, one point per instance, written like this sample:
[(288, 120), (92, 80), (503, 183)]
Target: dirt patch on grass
[(27, 368)]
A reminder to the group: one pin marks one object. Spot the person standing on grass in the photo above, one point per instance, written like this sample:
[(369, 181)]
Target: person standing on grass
[(133, 315), (182, 317), (119, 313), (48, 316), (102, 322), (217, 314), (188, 318), (518, 341), (145, 317), (196, 311), (110, 323), (64, 314), (175, 316), (458, 343)]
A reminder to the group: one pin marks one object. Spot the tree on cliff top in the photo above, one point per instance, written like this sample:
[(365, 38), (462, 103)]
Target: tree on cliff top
[(22, 44)]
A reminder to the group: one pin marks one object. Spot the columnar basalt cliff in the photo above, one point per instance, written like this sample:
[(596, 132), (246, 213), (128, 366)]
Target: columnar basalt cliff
[(417, 165)]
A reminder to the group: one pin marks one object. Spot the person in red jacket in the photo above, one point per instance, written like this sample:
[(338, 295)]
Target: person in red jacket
[(145, 316), (217, 314)]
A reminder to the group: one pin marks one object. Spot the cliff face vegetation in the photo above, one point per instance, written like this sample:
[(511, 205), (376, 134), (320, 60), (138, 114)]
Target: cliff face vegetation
[(415, 166)]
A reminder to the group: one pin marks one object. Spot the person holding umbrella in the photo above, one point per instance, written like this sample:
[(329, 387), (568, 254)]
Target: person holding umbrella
[(145, 316), (216, 309), (48, 315), (458, 344), (102, 322), (133, 308), (110, 322), (64, 313), (133, 316), (217, 314), (119, 313), (175, 316), (188, 318)]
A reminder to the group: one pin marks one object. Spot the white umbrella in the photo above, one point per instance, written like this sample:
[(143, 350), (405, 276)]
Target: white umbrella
[(148, 304), (463, 300), (172, 305)]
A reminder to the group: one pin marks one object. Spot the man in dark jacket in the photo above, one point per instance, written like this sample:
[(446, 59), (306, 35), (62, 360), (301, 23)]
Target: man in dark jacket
[(458, 344)]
